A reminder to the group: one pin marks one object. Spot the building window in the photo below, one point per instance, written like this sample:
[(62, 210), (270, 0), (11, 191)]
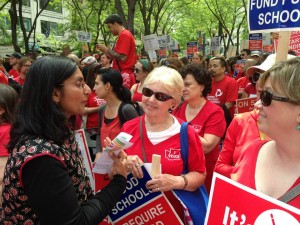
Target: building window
[(26, 3), (27, 24), (51, 27), (53, 6), (7, 24)]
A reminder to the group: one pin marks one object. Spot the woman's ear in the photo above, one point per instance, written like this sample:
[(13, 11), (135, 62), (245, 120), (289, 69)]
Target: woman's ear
[(56, 95)]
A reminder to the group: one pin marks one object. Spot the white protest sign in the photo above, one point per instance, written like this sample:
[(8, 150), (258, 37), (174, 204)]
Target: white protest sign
[(163, 41), (104, 164), (82, 145), (215, 44), (84, 36), (150, 42)]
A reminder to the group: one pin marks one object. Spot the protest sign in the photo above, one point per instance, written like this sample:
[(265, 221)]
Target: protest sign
[(191, 48), (273, 15), (215, 44), (138, 205), (162, 52), (294, 43), (232, 203), (150, 42), (255, 41), (163, 41), (84, 36), (82, 145), (245, 105)]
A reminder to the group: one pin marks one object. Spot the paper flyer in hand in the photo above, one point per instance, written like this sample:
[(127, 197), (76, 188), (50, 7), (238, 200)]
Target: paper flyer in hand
[(104, 164)]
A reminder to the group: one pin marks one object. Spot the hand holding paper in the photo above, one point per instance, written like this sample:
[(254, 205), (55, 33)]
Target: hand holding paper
[(104, 164)]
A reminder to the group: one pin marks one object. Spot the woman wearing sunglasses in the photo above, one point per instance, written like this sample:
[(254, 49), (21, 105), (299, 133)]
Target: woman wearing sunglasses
[(273, 167), (142, 68), (206, 117), (157, 132)]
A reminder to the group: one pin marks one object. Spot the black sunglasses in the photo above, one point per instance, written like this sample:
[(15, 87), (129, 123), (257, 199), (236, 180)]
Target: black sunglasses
[(158, 95), (255, 77), (266, 98), (136, 70)]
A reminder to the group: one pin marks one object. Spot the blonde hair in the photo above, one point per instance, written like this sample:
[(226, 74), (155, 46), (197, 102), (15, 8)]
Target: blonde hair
[(285, 79), (169, 78)]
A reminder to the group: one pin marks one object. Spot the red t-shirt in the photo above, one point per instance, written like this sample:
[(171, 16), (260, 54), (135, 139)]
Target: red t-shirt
[(250, 89), (4, 138), (225, 90), (137, 97), (20, 80), (3, 78), (244, 172), (93, 101), (242, 82), (125, 45), (14, 73), (169, 149), (210, 120)]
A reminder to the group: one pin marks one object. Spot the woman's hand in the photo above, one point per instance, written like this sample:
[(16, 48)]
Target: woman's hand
[(119, 166), (133, 165), (165, 182)]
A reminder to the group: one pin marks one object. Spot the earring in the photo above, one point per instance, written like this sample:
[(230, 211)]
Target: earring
[(298, 127)]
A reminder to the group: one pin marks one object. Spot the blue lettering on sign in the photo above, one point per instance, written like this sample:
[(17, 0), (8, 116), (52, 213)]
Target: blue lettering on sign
[(273, 15), (135, 195)]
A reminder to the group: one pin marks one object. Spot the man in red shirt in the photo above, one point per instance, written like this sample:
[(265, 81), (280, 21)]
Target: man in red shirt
[(13, 61), (224, 88), (124, 52)]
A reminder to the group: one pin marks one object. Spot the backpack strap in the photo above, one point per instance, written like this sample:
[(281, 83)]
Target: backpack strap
[(184, 146), (127, 112), (100, 118)]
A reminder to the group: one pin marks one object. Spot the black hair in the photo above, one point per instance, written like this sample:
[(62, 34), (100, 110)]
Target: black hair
[(114, 18), (221, 60), (90, 78), (200, 74), (115, 79), (37, 114), (248, 51)]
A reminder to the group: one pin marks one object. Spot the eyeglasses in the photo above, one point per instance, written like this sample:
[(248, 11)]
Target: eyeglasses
[(158, 95), (242, 54), (255, 77), (79, 84), (136, 70), (266, 98), (25, 65)]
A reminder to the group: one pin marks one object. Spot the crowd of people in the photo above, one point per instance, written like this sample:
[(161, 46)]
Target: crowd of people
[(42, 103)]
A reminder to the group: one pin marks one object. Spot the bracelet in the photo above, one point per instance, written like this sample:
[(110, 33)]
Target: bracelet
[(185, 181)]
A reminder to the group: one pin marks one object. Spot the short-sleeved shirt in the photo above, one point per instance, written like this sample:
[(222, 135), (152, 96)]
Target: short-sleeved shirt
[(3, 78), (125, 45), (14, 73), (210, 120), (93, 101)]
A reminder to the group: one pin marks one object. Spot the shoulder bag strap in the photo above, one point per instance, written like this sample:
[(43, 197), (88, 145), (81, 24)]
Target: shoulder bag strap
[(184, 146), (291, 194), (141, 134)]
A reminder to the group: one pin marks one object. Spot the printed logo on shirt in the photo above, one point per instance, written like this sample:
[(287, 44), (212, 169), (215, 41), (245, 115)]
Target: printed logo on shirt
[(172, 154), (99, 101), (218, 93), (197, 127)]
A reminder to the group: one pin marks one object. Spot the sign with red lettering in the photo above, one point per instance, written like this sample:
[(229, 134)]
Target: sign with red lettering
[(294, 42), (245, 105), (138, 205), (162, 52), (191, 48), (232, 203)]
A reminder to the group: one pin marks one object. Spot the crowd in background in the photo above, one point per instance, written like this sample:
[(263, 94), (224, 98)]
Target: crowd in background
[(148, 98)]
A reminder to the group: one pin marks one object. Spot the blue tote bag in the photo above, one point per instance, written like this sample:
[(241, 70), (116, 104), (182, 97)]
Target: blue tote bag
[(196, 201)]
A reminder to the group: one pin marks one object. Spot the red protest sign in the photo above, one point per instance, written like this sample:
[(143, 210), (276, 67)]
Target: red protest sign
[(245, 105), (231, 203), (294, 42)]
